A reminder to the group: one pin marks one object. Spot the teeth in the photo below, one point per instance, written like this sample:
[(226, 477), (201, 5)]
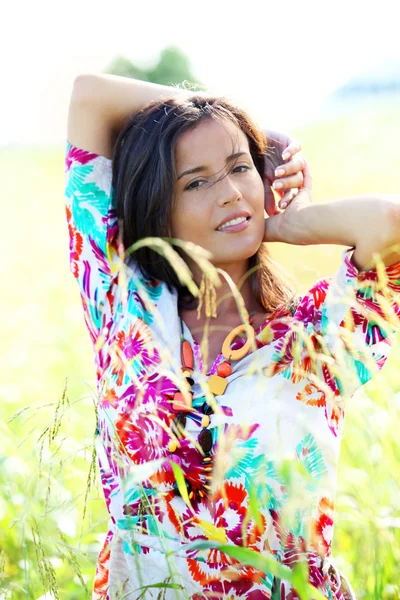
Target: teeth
[(233, 222)]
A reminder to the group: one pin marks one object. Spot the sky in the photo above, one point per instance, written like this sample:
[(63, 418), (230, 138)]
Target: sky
[(280, 59)]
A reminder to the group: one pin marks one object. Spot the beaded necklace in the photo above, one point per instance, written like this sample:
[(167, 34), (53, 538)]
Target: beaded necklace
[(182, 403)]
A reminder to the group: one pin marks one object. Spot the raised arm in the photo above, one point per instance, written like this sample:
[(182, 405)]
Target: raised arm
[(100, 103), (368, 223)]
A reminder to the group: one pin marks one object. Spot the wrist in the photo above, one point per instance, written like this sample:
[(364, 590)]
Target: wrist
[(273, 227)]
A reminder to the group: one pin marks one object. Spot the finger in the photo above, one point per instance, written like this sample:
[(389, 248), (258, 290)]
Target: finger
[(294, 165), (287, 198), (289, 182), (293, 147)]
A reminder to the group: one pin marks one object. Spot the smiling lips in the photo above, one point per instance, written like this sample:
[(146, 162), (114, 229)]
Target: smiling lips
[(235, 222)]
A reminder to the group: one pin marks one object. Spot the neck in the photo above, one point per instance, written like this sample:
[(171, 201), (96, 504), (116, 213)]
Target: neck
[(226, 303)]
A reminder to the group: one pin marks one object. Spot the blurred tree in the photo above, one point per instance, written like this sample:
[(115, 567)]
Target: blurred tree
[(173, 67), (123, 67)]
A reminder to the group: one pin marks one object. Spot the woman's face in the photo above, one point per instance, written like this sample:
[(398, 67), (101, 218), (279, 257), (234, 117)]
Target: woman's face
[(201, 210)]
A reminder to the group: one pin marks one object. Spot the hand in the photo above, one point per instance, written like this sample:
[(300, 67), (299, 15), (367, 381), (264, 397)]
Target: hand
[(281, 148), (283, 226), (301, 197)]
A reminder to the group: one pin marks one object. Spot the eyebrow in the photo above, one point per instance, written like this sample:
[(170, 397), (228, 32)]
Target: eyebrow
[(198, 169)]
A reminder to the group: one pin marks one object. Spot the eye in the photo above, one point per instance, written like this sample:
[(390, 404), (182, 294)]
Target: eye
[(193, 183), (242, 167)]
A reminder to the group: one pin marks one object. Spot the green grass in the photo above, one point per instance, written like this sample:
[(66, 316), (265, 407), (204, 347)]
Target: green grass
[(44, 343)]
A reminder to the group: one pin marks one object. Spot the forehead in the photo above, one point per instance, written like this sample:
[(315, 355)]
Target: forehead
[(209, 141)]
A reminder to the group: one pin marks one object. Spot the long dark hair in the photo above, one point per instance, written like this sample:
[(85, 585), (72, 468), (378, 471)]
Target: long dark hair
[(143, 180)]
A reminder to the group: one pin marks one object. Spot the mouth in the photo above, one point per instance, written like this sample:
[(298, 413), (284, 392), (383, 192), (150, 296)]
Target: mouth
[(234, 225)]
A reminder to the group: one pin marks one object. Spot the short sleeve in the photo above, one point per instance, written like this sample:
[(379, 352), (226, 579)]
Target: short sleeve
[(356, 314), (92, 228)]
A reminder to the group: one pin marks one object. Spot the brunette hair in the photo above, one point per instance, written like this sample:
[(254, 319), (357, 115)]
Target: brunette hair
[(143, 178)]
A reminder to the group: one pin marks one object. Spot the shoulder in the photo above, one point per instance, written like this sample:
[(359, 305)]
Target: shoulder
[(77, 155)]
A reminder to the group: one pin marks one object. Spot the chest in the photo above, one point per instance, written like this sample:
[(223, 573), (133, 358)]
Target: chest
[(209, 337)]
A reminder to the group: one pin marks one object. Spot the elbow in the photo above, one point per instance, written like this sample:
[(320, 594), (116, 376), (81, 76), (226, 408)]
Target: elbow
[(383, 234), (83, 86), (394, 220)]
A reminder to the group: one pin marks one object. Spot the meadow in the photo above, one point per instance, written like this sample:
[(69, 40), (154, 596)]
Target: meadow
[(52, 522)]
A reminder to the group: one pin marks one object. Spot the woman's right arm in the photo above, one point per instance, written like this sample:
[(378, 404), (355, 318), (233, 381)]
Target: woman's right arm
[(98, 107), (100, 104)]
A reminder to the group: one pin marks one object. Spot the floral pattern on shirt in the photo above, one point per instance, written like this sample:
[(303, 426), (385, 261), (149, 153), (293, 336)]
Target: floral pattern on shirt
[(299, 409)]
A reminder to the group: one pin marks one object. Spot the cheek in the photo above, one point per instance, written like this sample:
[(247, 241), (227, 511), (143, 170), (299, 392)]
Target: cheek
[(189, 221)]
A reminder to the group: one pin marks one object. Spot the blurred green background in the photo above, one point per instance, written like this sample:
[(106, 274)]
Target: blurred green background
[(47, 375)]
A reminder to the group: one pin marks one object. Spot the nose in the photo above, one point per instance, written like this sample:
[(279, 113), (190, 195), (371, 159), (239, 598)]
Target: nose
[(228, 191)]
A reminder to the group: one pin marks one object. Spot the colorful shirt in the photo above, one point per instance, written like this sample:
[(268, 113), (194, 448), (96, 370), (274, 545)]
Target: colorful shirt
[(278, 429)]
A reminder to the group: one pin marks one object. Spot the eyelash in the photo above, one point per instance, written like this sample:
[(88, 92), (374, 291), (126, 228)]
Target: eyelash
[(189, 189)]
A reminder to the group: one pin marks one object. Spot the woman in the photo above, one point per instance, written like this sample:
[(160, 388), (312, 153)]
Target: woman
[(248, 421)]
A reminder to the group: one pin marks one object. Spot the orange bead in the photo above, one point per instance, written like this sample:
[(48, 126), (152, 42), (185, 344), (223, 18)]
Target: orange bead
[(224, 369), (217, 385), (182, 402), (187, 355)]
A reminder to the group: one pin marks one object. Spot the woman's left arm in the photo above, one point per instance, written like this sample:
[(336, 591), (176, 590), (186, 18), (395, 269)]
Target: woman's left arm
[(368, 223)]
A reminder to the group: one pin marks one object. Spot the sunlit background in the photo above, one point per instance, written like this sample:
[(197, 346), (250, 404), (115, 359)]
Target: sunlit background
[(327, 73), (285, 59)]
